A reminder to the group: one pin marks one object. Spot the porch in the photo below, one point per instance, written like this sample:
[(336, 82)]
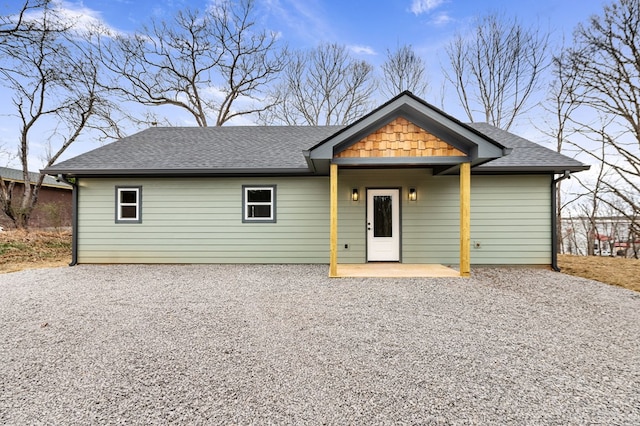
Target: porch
[(417, 215), (405, 133), (394, 270)]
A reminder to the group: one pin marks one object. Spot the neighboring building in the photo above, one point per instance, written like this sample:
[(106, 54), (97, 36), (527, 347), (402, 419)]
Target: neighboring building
[(600, 236), (394, 186), (53, 209)]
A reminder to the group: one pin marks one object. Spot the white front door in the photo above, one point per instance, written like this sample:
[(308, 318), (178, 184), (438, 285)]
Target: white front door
[(383, 225)]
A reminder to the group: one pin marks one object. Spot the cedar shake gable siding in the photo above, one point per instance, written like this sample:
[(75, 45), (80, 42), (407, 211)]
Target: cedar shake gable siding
[(400, 138)]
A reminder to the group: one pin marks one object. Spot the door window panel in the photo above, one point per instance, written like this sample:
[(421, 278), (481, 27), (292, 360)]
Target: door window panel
[(382, 216)]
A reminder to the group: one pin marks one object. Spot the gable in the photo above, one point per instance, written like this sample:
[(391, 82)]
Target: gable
[(431, 138), (400, 138)]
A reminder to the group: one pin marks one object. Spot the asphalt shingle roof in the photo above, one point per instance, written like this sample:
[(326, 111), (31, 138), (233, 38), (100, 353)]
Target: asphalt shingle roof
[(16, 175), (526, 155), (264, 149), (210, 148)]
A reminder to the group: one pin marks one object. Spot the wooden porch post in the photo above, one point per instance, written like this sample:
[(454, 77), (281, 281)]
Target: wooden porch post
[(333, 222), (465, 219)]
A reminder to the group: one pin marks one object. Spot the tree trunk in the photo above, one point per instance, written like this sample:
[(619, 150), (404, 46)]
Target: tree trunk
[(6, 198)]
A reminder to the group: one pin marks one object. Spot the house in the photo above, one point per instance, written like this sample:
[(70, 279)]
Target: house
[(601, 236), (53, 209), (406, 183)]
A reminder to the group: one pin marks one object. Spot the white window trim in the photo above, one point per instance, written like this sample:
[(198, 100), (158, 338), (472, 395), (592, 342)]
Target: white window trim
[(246, 204), (137, 204)]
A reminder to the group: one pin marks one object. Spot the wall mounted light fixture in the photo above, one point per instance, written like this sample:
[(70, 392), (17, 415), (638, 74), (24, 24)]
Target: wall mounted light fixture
[(354, 194), (413, 194)]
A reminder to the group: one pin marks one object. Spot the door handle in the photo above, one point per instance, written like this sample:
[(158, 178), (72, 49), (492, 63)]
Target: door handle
[(369, 226)]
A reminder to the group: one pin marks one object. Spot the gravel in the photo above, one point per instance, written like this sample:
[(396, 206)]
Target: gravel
[(256, 344)]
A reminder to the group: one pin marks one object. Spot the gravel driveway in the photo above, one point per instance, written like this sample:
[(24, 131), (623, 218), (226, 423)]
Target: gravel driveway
[(284, 344)]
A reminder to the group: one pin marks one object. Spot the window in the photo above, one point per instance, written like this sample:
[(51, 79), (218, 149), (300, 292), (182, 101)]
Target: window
[(259, 203), (128, 204)]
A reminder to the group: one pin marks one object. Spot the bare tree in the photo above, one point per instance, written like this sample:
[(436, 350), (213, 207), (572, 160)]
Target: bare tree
[(323, 86), (496, 69), (561, 104), (633, 238), (592, 200), (51, 72), (570, 238), (16, 25), (617, 231), (207, 63), (606, 55), (403, 70)]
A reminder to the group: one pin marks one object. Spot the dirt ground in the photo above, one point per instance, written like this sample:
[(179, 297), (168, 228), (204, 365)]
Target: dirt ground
[(33, 249), (610, 270), (39, 249)]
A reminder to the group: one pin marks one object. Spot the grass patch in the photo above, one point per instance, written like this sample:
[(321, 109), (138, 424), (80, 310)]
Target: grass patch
[(33, 249), (611, 270), (12, 247)]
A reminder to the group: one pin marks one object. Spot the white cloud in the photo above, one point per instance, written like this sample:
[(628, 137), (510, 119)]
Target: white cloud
[(306, 19), (441, 19), (419, 7), (79, 16), (361, 50), (213, 92)]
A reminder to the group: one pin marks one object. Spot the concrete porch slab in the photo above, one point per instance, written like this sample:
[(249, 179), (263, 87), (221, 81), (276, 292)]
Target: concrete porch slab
[(395, 270)]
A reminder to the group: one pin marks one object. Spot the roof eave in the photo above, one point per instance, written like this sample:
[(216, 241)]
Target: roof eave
[(529, 169), (179, 172), (44, 184)]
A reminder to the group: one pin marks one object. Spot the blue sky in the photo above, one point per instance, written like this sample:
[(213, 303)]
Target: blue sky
[(368, 28), (426, 24)]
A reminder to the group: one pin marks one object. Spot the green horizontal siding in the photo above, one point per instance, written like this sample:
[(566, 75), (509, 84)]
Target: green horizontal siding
[(511, 219), (199, 220), (433, 217)]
